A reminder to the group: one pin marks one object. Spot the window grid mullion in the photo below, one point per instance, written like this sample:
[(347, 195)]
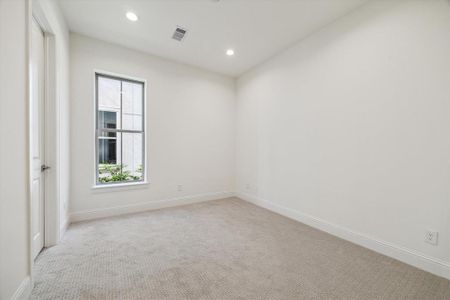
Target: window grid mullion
[(119, 130), (121, 127)]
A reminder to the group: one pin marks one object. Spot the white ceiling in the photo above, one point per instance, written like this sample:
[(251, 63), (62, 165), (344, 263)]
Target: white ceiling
[(255, 29)]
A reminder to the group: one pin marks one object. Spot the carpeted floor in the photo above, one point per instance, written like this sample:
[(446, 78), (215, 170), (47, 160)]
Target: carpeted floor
[(225, 249)]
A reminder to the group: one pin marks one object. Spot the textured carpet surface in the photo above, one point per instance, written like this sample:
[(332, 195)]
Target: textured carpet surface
[(225, 249)]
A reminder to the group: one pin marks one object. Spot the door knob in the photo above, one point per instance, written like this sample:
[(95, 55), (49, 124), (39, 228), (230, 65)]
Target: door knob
[(44, 167)]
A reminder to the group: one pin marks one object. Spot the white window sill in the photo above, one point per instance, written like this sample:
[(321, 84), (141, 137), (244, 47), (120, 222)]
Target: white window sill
[(121, 186)]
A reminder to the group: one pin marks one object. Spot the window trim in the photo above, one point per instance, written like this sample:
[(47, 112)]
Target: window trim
[(97, 184)]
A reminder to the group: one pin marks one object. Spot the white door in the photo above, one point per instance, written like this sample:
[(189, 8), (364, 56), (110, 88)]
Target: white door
[(37, 74)]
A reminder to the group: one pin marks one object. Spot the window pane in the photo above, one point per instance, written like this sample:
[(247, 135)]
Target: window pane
[(132, 155), (108, 101), (108, 120), (107, 151), (109, 159), (132, 105), (120, 159)]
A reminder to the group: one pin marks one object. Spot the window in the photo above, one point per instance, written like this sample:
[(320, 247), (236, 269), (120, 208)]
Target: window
[(119, 130)]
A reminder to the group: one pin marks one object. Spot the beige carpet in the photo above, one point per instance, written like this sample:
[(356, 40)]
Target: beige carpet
[(225, 249)]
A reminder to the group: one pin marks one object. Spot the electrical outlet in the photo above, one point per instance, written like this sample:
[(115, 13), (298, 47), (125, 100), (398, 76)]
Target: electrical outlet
[(431, 237), (179, 187)]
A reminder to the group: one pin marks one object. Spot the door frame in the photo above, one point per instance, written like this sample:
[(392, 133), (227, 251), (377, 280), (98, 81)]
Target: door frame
[(37, 118), (51, 183)]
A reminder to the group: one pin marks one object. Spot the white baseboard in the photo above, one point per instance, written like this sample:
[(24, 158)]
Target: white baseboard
[(408, 256), (140, 207), (24, 290)]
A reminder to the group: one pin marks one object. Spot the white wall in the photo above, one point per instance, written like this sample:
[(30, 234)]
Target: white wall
[(14, 225), (350, 127), (190, 128)]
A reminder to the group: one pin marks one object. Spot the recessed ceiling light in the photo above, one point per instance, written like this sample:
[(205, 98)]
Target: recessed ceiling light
[(132, 16), (230, 52)]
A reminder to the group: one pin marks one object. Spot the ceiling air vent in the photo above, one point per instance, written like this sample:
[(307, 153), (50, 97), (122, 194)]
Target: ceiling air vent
[(179, 34)]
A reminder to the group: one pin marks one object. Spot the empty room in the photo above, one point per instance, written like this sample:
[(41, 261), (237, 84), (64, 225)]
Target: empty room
[(224, 149)]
